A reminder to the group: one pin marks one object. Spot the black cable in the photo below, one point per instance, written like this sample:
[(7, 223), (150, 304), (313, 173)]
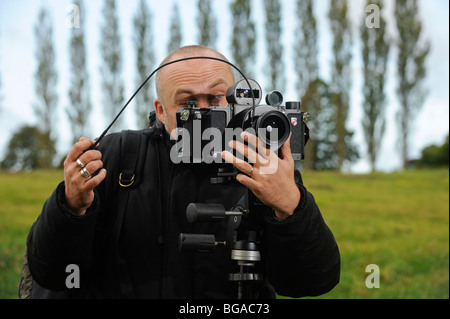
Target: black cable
[(97, 141)]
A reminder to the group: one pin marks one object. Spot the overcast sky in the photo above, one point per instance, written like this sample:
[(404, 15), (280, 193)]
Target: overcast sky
[(18, 64)]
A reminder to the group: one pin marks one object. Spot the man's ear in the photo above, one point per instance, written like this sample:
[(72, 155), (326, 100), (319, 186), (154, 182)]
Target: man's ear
[(159, 110)]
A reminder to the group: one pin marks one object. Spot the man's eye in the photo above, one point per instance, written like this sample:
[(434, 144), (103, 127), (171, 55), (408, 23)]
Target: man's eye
[(217, 98)]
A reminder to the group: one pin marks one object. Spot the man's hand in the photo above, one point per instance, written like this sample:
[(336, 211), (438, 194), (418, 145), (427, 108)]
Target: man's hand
[(271, 178), (79, 189)]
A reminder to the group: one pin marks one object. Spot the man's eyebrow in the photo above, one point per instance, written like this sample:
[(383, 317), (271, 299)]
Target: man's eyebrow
[(180, 91), (217, 82)]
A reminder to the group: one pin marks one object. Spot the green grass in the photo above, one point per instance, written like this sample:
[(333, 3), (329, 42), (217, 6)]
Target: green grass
[(22, 196), (399, 221)]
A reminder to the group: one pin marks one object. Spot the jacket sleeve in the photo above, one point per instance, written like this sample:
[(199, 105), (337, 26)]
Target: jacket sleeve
[(60, 238), (303, 256)]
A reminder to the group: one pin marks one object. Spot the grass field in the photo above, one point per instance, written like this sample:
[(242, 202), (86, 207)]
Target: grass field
[(398, 221)]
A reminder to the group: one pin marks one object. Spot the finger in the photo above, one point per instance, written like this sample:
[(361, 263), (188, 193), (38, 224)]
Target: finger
[(257, 143), (90, 156), (248, 182), (248, 152), (230, 158), (93, 167), (240, 164), (78, 148), (94, 181), (286, 149)]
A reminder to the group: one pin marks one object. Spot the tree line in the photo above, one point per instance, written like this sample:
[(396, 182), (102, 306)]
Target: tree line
[(328, 102)]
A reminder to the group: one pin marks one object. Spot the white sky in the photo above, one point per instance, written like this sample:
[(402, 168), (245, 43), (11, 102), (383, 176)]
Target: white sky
[(18, 64)]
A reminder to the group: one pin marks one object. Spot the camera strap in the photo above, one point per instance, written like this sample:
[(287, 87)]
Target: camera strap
[(132, 145)]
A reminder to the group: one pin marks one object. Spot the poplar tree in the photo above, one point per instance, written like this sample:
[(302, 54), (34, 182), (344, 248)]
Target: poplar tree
[(45, 76), (1, 96), (111, 67), (45, 81), (305, 48), (274, 66), (411, 69), (175, 38), (341, 75), (309, 88), (318, 101), (375, 54), (80, 106), (243, 37), (207, 24), (145, 60)]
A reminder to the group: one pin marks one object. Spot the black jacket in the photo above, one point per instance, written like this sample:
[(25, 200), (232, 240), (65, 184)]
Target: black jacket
[(127, 245)]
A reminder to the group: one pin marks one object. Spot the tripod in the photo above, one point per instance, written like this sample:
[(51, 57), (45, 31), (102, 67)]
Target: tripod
[(244, 252)]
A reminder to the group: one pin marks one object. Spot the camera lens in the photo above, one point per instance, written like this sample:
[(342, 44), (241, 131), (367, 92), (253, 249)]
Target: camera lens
[(274, 98), (270, 123)]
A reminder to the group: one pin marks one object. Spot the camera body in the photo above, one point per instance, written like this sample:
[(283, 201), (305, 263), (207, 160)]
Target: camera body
[(203, 133)]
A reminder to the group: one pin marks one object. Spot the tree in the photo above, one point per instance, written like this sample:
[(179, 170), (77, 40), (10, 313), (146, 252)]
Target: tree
[(314, 93), (319, 152), (29, 148), (145, 59), (341, 74), (275, 65), (80, 106), (111, 68), (207, 24), (176, 37), (375, 54), (306, 52), (412, 53), (243, 36), (1, 96), (435, 156), (45, 76)]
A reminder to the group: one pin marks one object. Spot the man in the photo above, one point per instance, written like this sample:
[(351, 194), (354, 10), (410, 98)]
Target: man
[(128, 246)]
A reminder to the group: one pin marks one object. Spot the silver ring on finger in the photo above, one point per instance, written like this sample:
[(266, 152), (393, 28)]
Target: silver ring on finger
[(80, 163), (85, 173)]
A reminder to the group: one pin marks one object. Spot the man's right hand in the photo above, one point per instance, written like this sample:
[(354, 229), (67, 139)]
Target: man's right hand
[(79, 189)]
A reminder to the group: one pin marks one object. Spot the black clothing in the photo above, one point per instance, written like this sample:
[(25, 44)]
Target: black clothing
[(127, 246)]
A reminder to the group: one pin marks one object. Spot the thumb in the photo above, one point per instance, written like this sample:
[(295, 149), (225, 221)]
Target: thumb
[(286, 149)]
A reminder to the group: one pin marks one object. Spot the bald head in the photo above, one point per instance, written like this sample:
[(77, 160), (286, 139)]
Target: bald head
[(186, 52), (202, 80)]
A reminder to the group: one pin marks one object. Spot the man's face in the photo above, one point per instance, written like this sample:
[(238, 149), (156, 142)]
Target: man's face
[(203, 81)]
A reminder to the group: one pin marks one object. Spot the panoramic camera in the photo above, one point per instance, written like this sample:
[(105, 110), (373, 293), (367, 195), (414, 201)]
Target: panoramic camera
[(205, 132)]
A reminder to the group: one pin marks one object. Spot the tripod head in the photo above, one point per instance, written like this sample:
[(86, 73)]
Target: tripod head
[(245, 251)]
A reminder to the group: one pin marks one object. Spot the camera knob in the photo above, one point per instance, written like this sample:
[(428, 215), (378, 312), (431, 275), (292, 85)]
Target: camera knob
[(185, 115), (293, 106), (191, 103)]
